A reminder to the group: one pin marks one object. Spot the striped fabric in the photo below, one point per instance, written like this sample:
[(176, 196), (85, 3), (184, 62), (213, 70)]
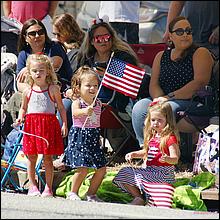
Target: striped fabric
[(153, 181), (160, 195)]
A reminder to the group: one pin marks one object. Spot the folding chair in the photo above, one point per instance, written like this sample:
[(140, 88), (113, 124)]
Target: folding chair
[(199, 119), (111, 120), (13, 164), (147, 52)]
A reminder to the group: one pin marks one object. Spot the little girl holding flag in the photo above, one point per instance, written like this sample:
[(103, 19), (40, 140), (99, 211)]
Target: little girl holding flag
[(83, 150)]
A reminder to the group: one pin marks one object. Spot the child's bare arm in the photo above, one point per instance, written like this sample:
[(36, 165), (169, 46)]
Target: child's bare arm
[(77, 111), (174, 155), (135, 154), (23, 108)]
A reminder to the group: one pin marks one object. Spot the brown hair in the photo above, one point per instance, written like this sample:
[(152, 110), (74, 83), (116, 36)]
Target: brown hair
[(77, 78), (22, 41), (87, 49), (67, 25), (187, 50)]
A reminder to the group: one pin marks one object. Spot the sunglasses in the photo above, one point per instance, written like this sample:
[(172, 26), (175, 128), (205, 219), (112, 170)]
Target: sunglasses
[(57, 34), (33, 33), (180, 31), (102, 38)]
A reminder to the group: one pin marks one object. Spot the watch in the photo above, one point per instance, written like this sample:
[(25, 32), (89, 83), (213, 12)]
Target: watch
[(171, 95)]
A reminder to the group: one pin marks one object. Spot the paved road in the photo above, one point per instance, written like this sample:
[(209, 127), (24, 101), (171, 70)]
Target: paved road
[(21, 206)]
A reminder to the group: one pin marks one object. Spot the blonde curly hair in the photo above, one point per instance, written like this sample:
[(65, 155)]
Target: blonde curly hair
[(41, 58)]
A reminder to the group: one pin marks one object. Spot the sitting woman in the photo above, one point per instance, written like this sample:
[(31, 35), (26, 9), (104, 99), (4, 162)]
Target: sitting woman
[(177, 74), (67, 31), (99, 43), (34, 39)]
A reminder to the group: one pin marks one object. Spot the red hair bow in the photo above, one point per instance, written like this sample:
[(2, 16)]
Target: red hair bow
[(39, 53), (153, 103)]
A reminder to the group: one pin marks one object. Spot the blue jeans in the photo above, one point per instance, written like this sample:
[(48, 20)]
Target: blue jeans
[(67, 104), (139, 113)]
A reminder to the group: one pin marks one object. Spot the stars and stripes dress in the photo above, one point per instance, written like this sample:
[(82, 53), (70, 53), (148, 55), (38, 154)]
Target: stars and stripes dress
[(154, 179), (84, 149)]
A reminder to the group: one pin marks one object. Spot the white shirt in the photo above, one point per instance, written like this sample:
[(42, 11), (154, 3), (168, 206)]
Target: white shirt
[(120, 11)]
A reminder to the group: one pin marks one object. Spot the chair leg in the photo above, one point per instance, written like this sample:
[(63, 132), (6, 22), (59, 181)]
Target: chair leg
[(123, 125), (186, 148), (117, 151)]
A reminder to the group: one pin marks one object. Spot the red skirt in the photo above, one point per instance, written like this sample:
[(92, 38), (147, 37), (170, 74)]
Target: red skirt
[(46, 126)]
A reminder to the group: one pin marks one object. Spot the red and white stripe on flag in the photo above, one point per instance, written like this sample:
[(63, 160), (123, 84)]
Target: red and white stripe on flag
[(161, 194), (123, 77)]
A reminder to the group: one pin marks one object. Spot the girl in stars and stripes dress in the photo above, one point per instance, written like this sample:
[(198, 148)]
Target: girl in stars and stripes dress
[(84, 149), (152, 183)]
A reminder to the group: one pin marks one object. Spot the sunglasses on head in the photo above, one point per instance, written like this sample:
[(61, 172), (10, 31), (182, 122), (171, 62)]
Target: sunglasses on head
[(33, 33), (180, 31), (102, 38)]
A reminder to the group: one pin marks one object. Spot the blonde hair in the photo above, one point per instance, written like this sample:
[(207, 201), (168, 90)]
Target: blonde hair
[(78, 77), (165, 109), (41, 58)]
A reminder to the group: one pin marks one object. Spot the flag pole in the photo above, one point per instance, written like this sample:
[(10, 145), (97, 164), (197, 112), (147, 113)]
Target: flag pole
[(112, 54)]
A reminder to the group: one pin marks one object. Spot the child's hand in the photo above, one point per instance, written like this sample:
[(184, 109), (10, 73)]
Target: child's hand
[(64, 131), (128, 157), (68, 93), (18, 122), (163, 158), (100, 70), (22, 75)]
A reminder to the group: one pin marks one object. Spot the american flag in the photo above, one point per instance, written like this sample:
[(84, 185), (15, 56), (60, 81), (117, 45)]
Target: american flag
[(123, 77)]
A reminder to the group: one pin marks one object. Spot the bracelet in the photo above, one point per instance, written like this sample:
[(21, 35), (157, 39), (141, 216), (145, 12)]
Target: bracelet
[(171, 96)]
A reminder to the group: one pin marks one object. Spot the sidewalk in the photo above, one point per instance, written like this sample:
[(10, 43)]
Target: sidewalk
[(20, 206)]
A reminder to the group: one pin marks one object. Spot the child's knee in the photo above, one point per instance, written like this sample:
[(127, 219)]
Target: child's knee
[(82, 170)]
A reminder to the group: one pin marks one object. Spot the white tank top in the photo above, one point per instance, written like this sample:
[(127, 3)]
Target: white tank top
[(40, 102)]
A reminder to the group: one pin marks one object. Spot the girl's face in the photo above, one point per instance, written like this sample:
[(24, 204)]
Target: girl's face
[(38, 72), (102, 40), (35, 36), (58, 35), (182, 35), (158, 121), (89, 87)]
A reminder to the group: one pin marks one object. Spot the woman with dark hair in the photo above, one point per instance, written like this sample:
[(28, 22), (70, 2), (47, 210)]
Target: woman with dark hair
[(34, 39), (99, 43), (177, 74)]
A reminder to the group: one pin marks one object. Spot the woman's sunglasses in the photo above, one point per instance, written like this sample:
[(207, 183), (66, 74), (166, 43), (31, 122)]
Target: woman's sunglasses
[(33, 33), (57, 34), (180, 31), (102, 38)]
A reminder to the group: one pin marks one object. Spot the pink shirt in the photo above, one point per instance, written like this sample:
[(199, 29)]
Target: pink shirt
[(93, 121), (24, 10)]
